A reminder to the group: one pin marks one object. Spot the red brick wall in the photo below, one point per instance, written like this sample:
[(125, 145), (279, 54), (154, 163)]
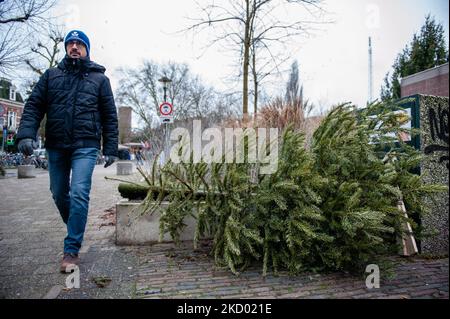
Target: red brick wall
[(437, 86)]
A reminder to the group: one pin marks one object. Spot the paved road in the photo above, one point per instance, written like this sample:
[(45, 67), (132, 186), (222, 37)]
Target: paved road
[(31, 243)]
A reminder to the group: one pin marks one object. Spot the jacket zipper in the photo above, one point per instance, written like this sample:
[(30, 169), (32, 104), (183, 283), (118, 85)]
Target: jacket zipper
[(80, 78)]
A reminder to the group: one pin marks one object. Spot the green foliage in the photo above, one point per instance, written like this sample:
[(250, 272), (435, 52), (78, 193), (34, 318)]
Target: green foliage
[(133, 191), (333, 207), (356, 200), (427, 50)]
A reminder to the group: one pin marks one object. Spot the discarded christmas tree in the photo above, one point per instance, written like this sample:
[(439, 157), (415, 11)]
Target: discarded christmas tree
[(333, 207)]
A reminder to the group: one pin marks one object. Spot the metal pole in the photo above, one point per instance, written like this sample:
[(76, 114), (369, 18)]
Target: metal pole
[(370, 98), (4, 131), (166, 142), (165, 81), (165, 95), (166, 132)]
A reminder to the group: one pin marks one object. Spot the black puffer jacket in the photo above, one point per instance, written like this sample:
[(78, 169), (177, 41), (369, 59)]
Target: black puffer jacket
[(80, 108)]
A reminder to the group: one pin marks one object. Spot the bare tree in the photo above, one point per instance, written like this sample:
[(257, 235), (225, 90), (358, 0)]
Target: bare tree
[(46, 54), (249, 25), (139, 88), (19, 21), (23, 10), (263, 68), (294, 91)]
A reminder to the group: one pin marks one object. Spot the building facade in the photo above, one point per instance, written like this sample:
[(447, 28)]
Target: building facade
[(11, 109), (433, 81), (429, 92)]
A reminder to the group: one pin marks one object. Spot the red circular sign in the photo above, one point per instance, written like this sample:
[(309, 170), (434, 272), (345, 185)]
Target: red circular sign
[(166, 108)]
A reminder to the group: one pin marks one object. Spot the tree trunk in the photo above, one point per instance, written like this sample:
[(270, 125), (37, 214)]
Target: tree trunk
[(246, 62), (255, 85)]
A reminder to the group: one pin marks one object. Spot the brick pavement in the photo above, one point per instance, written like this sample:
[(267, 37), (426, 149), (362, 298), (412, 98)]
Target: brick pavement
[(31, 242), (180, 272)]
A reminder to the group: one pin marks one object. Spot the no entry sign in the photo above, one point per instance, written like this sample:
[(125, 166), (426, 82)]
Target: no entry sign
[(166, 108)]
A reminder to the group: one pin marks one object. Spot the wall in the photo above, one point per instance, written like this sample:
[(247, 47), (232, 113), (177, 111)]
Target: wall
[(435, 169), (429, 82)]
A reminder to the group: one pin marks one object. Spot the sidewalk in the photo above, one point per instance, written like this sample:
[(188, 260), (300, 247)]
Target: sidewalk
[(31, 243)]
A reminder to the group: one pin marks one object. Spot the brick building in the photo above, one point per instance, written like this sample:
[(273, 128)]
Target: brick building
[(433, 81), (11, 109)]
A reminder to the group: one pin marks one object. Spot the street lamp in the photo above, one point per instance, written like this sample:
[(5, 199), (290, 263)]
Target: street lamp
[(165, 81)]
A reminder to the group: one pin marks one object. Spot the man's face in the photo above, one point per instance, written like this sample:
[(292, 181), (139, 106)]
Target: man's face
[(76, 49)]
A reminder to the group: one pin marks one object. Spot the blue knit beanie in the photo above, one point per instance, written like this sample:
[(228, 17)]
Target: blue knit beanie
[(79, 36)]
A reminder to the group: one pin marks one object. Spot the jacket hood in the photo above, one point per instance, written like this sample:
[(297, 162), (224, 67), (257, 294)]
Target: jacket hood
[(81, 64)]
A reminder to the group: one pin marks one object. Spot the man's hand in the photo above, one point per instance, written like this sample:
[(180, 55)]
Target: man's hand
[(109, 160), (26, 146)]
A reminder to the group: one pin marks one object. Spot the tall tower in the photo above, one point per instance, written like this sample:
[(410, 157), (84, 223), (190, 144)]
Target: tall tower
[(370, 97), (125, 114)]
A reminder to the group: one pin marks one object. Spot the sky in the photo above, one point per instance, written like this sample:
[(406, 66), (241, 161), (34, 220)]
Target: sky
[(333, 61)]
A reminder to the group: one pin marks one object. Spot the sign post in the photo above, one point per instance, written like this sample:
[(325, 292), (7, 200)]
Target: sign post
[(166, 110)]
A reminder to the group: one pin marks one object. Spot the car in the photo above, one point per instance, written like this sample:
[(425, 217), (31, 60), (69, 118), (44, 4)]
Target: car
[(41, 152)]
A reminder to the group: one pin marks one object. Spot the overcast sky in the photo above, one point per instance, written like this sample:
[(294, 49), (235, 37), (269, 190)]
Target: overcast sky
[(333, 63)]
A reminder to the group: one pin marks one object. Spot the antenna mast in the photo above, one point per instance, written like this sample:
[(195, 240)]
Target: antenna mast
[(370, 73)]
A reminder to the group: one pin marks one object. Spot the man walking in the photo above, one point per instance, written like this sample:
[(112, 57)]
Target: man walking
[(77, 98)]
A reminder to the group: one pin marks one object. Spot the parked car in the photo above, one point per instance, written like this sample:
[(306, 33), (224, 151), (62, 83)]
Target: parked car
[(41, 152)]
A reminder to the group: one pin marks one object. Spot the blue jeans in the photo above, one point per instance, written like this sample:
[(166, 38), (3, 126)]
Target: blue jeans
[(71, 194)]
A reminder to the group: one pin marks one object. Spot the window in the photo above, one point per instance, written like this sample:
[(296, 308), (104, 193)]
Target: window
[(12, 120), (12, 93)]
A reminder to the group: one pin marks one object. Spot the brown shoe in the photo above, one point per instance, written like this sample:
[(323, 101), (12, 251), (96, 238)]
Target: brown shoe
[(69, 259)]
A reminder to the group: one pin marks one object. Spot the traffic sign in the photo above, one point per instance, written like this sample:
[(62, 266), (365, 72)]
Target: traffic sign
[(166, 108), (166, 118)]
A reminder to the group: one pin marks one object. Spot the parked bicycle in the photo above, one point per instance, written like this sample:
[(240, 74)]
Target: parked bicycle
[(38, 162), (11, 160)]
